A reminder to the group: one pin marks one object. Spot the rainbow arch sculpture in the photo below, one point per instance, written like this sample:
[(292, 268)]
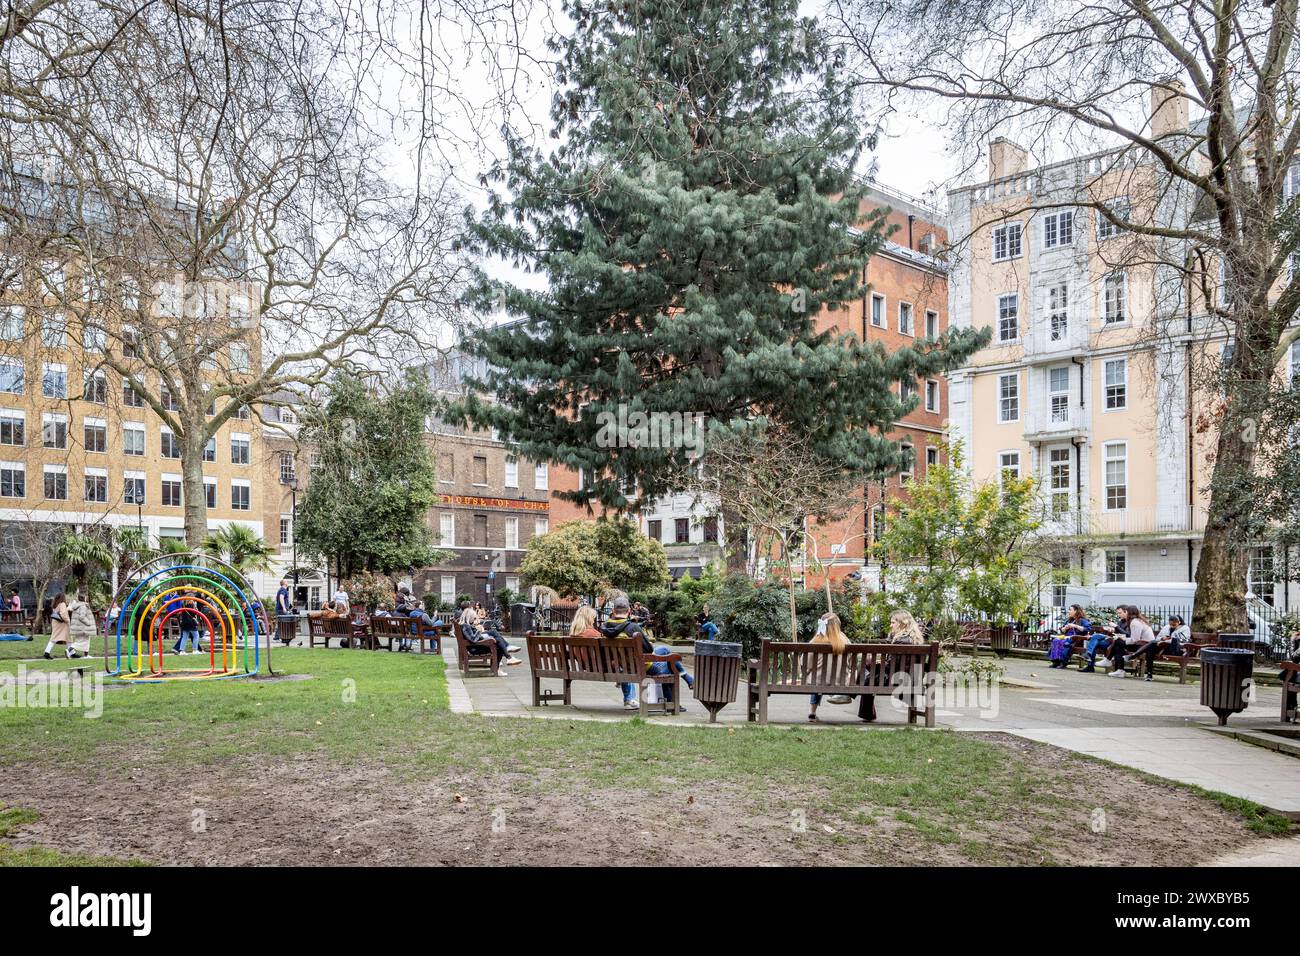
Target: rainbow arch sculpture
[(135, 644)]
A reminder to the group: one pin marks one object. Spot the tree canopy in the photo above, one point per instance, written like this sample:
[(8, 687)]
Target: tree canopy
[(583, 558), (373, 481), (699, 212)]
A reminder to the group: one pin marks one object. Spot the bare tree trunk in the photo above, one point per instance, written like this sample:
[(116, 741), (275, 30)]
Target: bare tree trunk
[(194, 494)]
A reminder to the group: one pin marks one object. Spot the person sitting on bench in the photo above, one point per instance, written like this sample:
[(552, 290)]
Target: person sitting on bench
[(1170, 641), (408, 606), (1139, 634), (1076, 625), (620, 624), (472, 627), (828, 632)]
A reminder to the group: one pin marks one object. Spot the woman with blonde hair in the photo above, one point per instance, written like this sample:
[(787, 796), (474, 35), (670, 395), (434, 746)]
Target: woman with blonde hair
[(828, 632), (584, 622), (903, 628)]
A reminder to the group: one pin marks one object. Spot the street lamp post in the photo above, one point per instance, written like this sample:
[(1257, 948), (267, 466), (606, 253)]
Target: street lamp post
[(291, 480)]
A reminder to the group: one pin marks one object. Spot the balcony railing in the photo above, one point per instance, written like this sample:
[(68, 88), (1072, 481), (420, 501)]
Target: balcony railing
[(1042, 423), (1096, 521), (1041, 343)]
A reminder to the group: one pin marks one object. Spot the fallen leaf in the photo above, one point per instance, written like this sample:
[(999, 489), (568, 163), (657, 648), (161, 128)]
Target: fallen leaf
[(690, 799), (459, 798)]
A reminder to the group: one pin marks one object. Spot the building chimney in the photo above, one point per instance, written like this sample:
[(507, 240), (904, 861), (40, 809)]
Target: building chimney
[(1006, 158), (1168, 109)]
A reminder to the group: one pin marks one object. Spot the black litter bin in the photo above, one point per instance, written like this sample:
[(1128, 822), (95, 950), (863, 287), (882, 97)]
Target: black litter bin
[(521, 617), (1243, 641), (717, 671), (286, 627), (1225, 675)]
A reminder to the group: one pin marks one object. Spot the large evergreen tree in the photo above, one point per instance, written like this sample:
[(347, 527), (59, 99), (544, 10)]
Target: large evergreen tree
[(373, 481), (697, 213)]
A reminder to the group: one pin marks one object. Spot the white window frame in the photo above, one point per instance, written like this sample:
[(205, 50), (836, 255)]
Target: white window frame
[(13, 323), (1003, 418), (96, 473), (905, 309), (1058, 397), (512, 472), (878, 319), (447, 529), (1058, 307), (512, 532), (1003, 232), (932, 385), (58, 368), (211, 497), (1053, 491), (541, 526), (931, 324), (1058, 229), (1122, 554), (1106, 385), (1004, 467), (1015, 310), (56, 470), (1105, 228), (1107, 284), (55, 418), (19, 417), (247, 486), (18, 468), (542, 476), (447, 588), (144, 441), (166, 479), (247, 440), (1107, 459)]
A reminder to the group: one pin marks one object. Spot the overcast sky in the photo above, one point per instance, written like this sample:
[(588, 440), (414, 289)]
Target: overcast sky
[(911, 157)]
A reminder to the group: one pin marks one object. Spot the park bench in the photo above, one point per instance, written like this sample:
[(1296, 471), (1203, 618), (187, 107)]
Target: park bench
[(788, 668), (395, 628), (16, 622), (345, 631), (1178, 660), (486, 655), (1291, 674), (608, 660)]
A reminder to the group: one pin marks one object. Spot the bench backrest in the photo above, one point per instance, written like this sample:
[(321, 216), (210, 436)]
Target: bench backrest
[(584, 658), (546, 655), (623, 656), (818, 669), (388, 626)]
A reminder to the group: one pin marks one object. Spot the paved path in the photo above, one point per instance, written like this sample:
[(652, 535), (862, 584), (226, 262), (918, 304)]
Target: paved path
[(1158, 727)]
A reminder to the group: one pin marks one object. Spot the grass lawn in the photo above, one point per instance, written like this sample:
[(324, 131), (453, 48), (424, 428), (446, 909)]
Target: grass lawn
[(363, 762)]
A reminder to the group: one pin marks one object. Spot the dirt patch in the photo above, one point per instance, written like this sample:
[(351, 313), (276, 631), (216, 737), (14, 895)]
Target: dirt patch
[(311, 810)]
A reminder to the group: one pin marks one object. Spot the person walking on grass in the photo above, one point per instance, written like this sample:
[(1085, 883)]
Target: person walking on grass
[(188, 619), (828, 632), (60, 631), (81, 625)]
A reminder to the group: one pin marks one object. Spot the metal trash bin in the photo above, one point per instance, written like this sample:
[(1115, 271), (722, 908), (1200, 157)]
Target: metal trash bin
[(521, 617), (1225, 672), (717, 672), (1244, 641), (286, 627)]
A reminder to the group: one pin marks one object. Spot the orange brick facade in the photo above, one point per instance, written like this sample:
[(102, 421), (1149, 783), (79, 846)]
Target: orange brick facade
[(906, 276)]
